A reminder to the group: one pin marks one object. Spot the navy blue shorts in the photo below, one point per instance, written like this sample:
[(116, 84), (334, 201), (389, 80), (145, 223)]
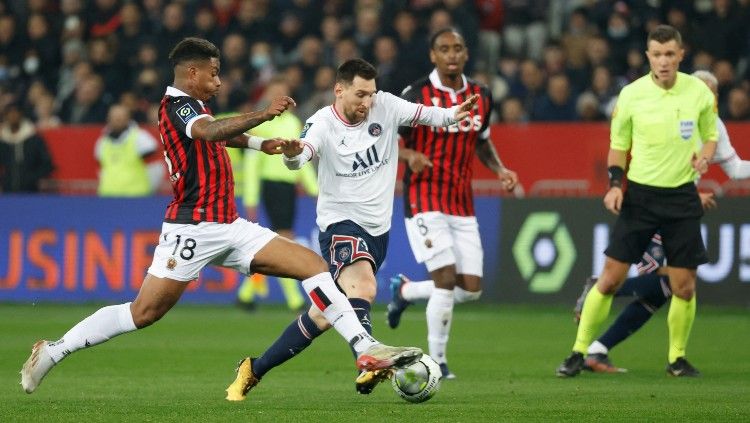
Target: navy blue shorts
[(343, 243)]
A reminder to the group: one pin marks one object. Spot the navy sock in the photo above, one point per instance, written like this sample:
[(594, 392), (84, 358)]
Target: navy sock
[(635, 315), (296, 337), (362, 308), (652, 292), (639, 286)]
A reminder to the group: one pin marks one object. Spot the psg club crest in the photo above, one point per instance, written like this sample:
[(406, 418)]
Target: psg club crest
[(344, 253), (375, 129), (686, 129)]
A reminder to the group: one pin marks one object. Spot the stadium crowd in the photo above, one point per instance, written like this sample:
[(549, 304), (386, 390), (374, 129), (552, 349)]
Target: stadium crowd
[(68, 61)]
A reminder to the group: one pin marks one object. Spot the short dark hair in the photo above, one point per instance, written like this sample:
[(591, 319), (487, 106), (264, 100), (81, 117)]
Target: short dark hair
[(193, 48), (355, 67), (434, 37), (664, 33)]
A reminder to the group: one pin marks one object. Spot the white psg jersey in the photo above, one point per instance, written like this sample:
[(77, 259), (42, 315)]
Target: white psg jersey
[(358, 162), (727, 157)]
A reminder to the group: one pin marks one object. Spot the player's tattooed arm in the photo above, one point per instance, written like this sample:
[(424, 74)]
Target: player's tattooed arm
[(227, 128), (488, 156)]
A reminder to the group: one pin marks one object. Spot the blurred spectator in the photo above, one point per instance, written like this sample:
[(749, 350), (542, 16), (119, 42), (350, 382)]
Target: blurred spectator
[(285, 45), (72, 20), (43, 51), (413, 47), (738, 105), (490, 22), (330, 30), (576, 37), (24, 158), (724, 72), (558, 104), (12, 47), (322, 94), (131, 35), (173, 29), (525, 29), (723, 31), (366, 29), (346, 49), (588, 108), (620, 38), (44, 113), (310, 55), (234, 52), (206, 27), (637, 66), (254, 21), (104, 18), (389, 77), (261, 62), (603, 88), (101, 55), (87, 104), (464, 17), (529, 86), (123, 152), (513, 112)]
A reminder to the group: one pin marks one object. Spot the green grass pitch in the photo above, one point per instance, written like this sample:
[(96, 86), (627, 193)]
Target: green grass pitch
[(504, 356)]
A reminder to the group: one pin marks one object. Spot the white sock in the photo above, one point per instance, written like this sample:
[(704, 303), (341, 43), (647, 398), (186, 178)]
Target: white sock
[(417, 290), (597, 347), (338, 311), (439, 317), (461, 295), (101, 326)]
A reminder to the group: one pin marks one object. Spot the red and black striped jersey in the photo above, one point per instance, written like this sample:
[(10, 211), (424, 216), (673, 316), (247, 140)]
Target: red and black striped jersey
[(445, 187), (199, 170)]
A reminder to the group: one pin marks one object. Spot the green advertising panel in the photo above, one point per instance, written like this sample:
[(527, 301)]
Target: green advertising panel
[(548, 247)]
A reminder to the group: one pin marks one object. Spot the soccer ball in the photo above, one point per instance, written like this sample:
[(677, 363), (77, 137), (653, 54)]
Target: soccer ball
[(418, 381)]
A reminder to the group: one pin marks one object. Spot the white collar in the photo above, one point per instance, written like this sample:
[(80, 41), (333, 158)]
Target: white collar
[(435, 80), (175, 92)]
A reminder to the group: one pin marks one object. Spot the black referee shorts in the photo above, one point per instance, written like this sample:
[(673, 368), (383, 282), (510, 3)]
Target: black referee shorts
[(279, 200), (674, 212)]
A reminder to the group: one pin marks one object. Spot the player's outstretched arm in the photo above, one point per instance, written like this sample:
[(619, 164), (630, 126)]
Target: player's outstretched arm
[(295, 154), (464, 109), (211, 129)]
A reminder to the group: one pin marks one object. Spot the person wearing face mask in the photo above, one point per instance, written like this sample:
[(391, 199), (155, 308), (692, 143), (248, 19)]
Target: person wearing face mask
[(24, 157)]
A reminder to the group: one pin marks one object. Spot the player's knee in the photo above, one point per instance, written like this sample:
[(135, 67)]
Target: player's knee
[(685, 292), (461, 295), (146, 316)]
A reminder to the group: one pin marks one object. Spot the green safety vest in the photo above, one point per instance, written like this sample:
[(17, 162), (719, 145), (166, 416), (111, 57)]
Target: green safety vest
[(123, 172)]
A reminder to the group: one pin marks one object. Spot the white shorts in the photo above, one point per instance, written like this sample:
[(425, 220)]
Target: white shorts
[(185, 249), (438, 240)]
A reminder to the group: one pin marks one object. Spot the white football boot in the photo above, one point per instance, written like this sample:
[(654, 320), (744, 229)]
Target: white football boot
[(36, 367)]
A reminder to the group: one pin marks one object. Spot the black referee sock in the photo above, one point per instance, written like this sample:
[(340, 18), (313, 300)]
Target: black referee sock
[(295, 338)]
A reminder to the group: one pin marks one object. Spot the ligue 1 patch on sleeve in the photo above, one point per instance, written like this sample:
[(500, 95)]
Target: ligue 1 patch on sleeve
[(305, 129), (186, 113)]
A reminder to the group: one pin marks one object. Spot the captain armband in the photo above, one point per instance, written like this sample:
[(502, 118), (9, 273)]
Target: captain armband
[(615, 176)]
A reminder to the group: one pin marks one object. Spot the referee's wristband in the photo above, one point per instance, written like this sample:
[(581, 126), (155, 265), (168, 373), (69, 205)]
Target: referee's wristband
[(254, 142), (615, 176)]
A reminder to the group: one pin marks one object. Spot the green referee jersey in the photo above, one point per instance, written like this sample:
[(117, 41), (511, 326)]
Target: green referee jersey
[(259, 166), (663, 129)]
